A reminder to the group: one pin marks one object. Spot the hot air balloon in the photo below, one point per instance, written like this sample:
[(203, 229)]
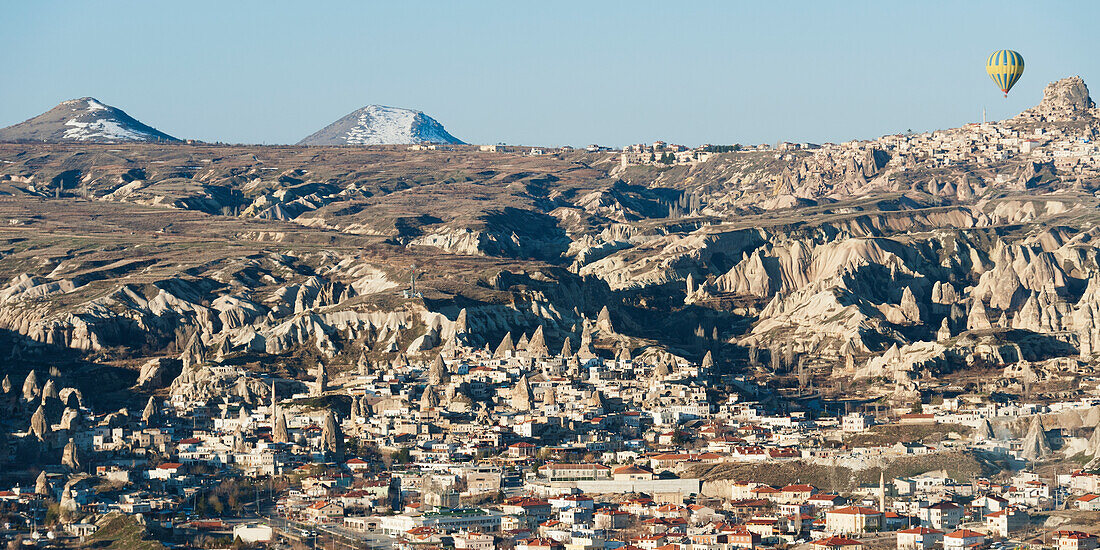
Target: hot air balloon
[(1005, 68)]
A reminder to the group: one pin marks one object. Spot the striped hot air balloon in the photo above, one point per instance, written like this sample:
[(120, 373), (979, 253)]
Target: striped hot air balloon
[(1005, 68)]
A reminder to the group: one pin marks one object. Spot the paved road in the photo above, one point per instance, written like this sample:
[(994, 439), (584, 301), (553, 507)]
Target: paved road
[(345, 538)]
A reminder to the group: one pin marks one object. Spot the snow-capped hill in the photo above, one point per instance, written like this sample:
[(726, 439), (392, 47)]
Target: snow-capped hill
[(381, 125), (85, 119)]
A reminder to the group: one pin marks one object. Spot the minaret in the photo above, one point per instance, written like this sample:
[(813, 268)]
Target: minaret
[(882, 491)]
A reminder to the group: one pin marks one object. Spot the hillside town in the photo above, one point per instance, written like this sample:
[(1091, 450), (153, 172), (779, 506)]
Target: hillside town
[(1039, 135), (524, 447), (530, 276)]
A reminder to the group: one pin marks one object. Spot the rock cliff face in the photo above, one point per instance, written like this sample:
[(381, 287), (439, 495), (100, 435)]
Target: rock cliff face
[(853, 262), (1066, 98)]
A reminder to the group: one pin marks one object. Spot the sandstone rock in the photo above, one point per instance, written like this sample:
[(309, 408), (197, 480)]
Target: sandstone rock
[(662, 371), (40, 426), (1035, 445), (536, 348), (279, 433), (69, 457), (603, 322), (505, 347), (67, 507), (978, 319), (1065, 98), (1092, 417), (49, 390), (984, 432), (365, 408), (30, 387), (154, 374), (70, 420), (150, 411), (708, 362), (624, 353), (963, 190), (429, 399), (117, 419), (42, 485), (71, 397), (1092, 448), (944, 333), (585, 352), (549, 397), (320, 383), (522, 398), (596, 402), (566, 349), (333, 438), (461, 328), (194, 354), (437, 374)]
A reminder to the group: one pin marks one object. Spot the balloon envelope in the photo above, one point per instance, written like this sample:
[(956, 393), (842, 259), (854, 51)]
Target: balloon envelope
[(1005, 68)]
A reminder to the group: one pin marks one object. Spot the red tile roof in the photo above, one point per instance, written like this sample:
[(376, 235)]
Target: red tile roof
[(837, 541)]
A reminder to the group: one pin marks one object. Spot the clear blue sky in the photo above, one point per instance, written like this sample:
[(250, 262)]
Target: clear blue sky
[(546, 73)]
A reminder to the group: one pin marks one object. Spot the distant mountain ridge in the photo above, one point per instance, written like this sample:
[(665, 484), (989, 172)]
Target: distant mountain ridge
[(84, 120), (381, 125)]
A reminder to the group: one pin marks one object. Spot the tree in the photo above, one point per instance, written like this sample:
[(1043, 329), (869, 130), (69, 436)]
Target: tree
[(53, 513), (681, 438), (402, 456)]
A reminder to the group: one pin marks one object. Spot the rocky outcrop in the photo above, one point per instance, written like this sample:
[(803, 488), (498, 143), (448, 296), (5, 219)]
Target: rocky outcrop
[(320, 381), (429, 399), (522, 397), (69, 457), (437, 373), (536, 347), (978, 319), (505, 347), (150, 411), (42, 485), (1035, 445), (30, 387), (71, 420), (984, 432), (333, 438), (40, 426), (1064, 99), (155, 374), (279, 432)]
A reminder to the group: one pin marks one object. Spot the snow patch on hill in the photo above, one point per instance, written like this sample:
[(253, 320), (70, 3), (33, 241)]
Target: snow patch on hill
[(84, 120), (94, 121), (104, 129), (382, 125)]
